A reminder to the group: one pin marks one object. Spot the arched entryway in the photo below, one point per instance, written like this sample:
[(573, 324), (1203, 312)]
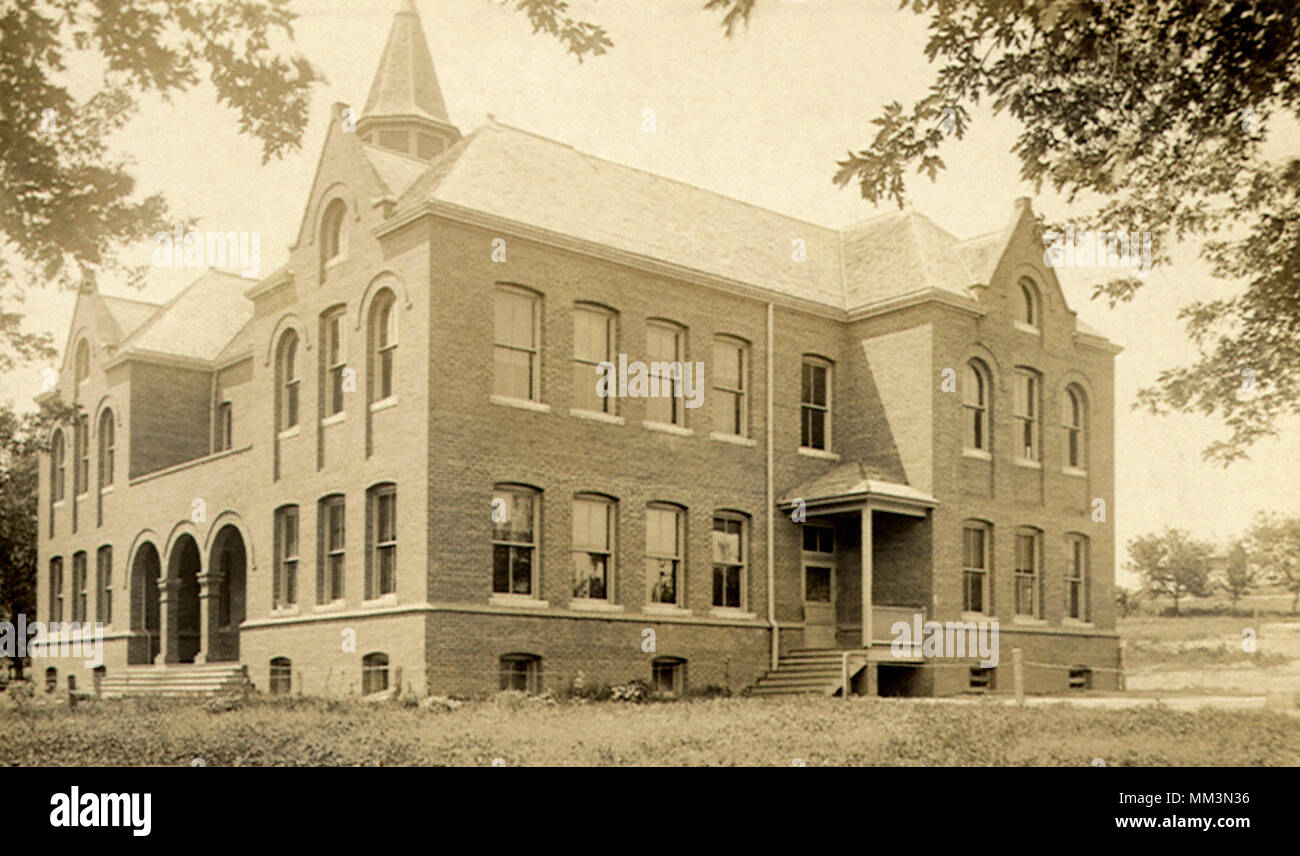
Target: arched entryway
[(145, 616), (227, 568), (183, 600)]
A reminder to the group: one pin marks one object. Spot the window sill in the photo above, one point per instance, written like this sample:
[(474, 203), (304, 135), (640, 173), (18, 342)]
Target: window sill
[(665, 609), (521, 403), (1074, 471), (1028, 464), (820, 454), (732, 612), (332, 606), (977, 454), (383, 404), (587, 604), (595, 416), (289, 432), (665, 428), (389, 599), (334, 419), (284, 611), (335, 262), (1028, 620), (105, 490), (521, 600), (1024, 327), (59, 503), (976, 616), (735, 439), (1075, 622)]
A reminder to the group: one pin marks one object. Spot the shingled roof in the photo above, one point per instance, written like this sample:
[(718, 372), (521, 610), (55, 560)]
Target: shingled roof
[(198, 323)]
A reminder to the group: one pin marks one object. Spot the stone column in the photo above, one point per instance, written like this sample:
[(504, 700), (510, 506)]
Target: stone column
[(168, 621), (209, 595)]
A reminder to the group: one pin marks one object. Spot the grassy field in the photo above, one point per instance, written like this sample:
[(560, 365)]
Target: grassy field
[(1205, 654), (734, 731)]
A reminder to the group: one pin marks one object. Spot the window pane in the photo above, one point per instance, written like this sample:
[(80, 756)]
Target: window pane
[(662, 343), (817, 584), (514, 319), (726, 541), (591, 335), (514, 373), (518, 523), (663, 573)]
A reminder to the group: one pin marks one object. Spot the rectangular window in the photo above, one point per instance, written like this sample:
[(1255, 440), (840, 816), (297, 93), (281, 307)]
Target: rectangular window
[(730, 365), (1027, 573), (1076, 577), (514, 540), (815, 405), (664, 352), (981, 679), (975, 567), (56, 588), (330, 567), (79, 593), (83, 454), (382, 565), (104, 585), (1026, 415), (728, 561), (664, 545), (593, 548), (593, 343), (515, 352), (336, 362), (285, 583), (225, 427)]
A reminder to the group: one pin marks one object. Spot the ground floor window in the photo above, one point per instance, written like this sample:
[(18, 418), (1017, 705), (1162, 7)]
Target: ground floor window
[(668, 675), (281, 675), (374, 673), (521, 672)]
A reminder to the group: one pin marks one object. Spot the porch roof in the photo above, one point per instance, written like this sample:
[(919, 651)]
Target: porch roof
[(854, 483)]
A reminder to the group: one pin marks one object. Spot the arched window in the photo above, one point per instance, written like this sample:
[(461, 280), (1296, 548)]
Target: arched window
[(730, 557), (665, 562), (976, 566), (374, 673), (515, 512), (593, 344), (334, 359), (81, 437), (1027, 408), (1029, 313), (521, 672), (106, 453), (516, 355), (383, 347), (1077, 580), (975, 396), (381, 535), (1029, 572), (593, 547), (281, 675), (668, 675), (331, 234), (284, 577), (665, 351), (81, 362), (57, 466), (1072, 420), (287, 381)]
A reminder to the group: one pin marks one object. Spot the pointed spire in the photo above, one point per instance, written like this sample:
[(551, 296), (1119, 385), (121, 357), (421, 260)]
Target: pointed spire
[(405, 92)]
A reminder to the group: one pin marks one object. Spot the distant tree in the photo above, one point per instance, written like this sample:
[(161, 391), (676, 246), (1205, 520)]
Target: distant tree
[(1238, 575), (22, 437), (1171, 563), (1273, 543), (1127, 601)]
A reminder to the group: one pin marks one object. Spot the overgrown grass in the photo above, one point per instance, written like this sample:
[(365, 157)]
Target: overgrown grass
[(735, 731)]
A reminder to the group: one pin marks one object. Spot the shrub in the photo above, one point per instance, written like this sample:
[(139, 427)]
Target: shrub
[(635, 691)]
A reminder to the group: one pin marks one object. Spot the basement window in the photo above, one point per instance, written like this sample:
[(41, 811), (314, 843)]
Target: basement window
[(981, 679), (1080, 678), (668, 675), (281, 675)]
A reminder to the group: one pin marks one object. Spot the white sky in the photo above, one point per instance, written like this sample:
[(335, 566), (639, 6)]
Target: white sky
[(762, 118)]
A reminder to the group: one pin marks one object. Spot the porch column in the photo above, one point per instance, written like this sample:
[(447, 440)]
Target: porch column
[(209, 592), (867, 616), (169, 649)]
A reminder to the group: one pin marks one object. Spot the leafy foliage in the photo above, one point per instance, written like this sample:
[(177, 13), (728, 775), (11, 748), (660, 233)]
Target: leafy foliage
[(1273, 543), (1171, 563)]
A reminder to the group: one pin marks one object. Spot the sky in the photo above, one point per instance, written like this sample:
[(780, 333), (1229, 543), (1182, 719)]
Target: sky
[(763, 118)]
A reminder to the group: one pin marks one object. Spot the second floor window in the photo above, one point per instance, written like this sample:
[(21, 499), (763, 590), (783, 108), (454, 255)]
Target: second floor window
[(815, 404), (593, 547), (225, 427), (82, 443), (381, 564), (285, 581), (330, 569), (593, 344), (730, 366), (664, 351), (58, 476), (516, 355), (664, 549), (975, 567), (975, 404), (106, 451), (81, 362), (1072, 420), (514, 539), (287, 381), (1026, 415), (383, 332), (336, 361)]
